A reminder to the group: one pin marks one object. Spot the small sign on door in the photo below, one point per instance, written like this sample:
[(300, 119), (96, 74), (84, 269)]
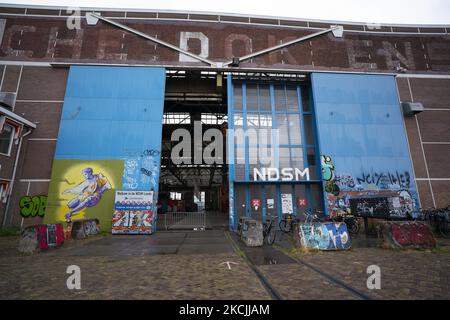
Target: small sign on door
[(256, 203)]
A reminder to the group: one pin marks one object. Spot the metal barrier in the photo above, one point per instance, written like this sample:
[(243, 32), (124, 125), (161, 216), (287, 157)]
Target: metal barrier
[(182, 220)]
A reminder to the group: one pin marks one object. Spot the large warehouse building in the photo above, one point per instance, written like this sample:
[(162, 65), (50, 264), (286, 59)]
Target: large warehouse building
[(92, 102)]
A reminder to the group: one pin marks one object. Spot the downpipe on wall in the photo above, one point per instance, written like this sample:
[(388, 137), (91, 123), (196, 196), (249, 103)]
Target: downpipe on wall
[(16, 162)]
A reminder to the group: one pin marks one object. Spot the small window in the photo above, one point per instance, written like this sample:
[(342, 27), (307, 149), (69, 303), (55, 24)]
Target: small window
[(176, 118), (6, 138), (175, 196)]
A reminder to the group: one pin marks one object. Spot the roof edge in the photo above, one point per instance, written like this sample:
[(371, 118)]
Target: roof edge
[(370, 24)]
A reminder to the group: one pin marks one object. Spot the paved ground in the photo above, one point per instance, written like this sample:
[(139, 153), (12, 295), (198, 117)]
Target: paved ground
[(176, 265), (190, 265)]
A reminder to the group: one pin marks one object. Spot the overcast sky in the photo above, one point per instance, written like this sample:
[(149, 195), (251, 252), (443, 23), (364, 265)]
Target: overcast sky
[(376, 11)]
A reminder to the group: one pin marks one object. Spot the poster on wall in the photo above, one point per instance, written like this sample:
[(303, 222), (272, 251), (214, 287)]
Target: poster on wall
[(133, 212), (286, 203)]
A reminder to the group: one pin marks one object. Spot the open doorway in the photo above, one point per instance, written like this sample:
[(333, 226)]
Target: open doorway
[(193, 192)]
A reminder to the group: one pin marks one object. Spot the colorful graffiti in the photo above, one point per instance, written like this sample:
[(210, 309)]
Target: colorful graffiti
[(374, 194), (132, 222), (90, 182), (407, 235), (327, 168), (324, 236), (84, 228), (32, 206), (89, 192), (134, 212), (328, 175), (42, 236)]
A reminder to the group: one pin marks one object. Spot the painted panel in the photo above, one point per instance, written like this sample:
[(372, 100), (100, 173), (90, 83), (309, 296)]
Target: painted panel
[(364, 150), (109, 139), (324, 236), (133, 212)]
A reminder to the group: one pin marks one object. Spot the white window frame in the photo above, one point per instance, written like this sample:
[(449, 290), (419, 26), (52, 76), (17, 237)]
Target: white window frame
[(11, 140)]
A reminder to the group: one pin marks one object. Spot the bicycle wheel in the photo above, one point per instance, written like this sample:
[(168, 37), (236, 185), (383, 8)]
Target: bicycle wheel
[(270, 237), (285, 226), (444, 228), (353, 228)]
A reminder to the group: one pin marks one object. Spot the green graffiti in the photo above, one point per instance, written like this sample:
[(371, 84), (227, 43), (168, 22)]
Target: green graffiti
[(327, 168), (328, 175), (32, 206)]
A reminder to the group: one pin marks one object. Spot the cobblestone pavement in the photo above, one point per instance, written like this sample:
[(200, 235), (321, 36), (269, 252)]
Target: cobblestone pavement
[(144, 275), (190, 266), (405, 274)]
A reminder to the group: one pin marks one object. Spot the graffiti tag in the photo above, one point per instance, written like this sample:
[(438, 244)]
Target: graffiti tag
[(32, 206), (384, 179)]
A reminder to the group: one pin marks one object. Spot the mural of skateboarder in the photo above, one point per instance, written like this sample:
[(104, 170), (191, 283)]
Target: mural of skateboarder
[(89, 192)]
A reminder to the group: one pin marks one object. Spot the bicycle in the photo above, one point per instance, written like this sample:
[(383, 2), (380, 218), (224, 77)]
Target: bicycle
[(312, 217), (350, 221), (288, 222), (269, 232), (438, 219)]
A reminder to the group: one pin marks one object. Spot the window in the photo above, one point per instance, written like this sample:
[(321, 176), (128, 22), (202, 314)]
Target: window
[(175, 195), (177, 118), (213, 119), (6, 138)]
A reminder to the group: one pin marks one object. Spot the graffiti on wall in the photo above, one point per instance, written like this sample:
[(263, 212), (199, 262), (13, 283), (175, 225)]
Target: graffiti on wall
[(32, 206), (134, 212), (83, 189), (84, 228), (141, 170), (370, 194), (370, 207), (408, 234), (328, 175), (324, 236), (42, 236), (386, 180)]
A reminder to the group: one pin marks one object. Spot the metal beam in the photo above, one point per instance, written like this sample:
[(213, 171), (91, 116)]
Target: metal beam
[(143, 35), (283, 45)]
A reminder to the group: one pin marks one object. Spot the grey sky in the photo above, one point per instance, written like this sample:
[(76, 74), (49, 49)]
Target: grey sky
[(379, 11)]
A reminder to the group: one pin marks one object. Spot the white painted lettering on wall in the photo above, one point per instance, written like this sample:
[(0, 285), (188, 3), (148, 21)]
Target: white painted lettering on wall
[(23, 41), (185, 37), (285, 174)]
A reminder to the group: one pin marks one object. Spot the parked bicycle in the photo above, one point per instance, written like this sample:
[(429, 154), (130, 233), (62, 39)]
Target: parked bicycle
[(269, 232), (288, 221), (438, 219), (350, 221)]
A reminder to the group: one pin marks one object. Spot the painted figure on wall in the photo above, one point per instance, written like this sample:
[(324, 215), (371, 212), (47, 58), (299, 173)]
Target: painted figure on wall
[(89, 192)]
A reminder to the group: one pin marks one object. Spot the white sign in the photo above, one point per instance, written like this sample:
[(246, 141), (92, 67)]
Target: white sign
[(286, 203), (285, 174), (134, 196), (270, 203)]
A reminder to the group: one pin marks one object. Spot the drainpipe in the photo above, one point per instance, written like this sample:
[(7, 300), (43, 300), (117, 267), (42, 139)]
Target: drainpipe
[(13, 177)]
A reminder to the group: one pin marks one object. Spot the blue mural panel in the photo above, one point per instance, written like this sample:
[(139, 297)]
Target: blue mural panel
[(363, 145), (324, 236), (115, 113), (109, 139)]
